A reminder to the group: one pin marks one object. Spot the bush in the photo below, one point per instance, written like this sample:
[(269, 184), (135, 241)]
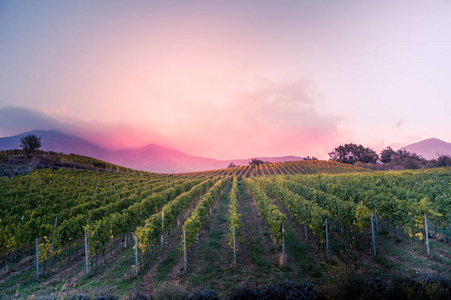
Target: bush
[(302, 291), (205, 295), (287, 290), (426, 287), (139, 296), (365, 289), (245, 293), (167, 291)]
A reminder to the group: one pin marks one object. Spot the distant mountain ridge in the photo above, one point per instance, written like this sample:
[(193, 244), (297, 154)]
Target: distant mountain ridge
[(58, 142), (429, 148), (152, 158)]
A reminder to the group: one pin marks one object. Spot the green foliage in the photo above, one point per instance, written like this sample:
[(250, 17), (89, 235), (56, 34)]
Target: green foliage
[(194, 223), (169, 291), (443, 161), (30, 143), (272, 215), (234, 215), (352, 153), (153, 227), (363, 216), (306, 212), (106, 205)]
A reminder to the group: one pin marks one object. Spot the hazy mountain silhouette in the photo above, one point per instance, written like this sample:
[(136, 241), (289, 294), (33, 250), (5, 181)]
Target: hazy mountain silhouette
[(57, 142), (430, 148), (152, 158)]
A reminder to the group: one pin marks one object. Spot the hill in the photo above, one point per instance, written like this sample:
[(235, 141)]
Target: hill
[(14, 162), (151, 158), (57, 142), (430, 148)]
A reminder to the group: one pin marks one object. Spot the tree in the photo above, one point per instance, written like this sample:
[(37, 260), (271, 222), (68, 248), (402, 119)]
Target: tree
[(256, 162), (387, 155), (444, 160), (231, 165), (30, 143), (352, 153), (408, 160), (310, 158)]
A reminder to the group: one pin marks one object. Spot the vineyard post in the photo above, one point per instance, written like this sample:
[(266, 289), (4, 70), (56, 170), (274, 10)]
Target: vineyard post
[(125, 241), (86, 254), (327, 241), (283, 243), (338, 214), (375, 215), (305, 230), (374, 238), (136, 254), (427, 231), (184, 249), (234, 246), (37, 259), (53, 240), (162, 227)]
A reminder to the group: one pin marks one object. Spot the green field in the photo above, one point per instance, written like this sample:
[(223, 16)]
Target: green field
[(60, 206)]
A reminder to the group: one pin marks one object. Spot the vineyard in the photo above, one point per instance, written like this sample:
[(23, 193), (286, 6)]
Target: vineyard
[(66, 231)]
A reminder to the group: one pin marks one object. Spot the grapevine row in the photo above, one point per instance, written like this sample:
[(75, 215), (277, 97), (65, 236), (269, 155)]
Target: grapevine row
[(233, 211), (272, 215), (153, 227), (194, 223)]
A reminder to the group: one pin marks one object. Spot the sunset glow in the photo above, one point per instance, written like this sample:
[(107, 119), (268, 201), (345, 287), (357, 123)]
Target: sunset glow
[(226, 79)]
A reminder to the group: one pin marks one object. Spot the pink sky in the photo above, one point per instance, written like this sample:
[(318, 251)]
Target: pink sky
[(227, 79)]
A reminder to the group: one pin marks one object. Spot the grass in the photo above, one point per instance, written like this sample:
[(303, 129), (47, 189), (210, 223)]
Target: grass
[(166, 266), (212, 256)]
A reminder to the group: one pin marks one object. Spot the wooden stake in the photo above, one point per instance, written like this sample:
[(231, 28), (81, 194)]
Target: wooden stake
[(86, 254), (427, 231), (374, 237), (327, 241), (37, 259), (136, 253)]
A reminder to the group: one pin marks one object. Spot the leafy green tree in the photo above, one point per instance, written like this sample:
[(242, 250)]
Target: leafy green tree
[(30, 143), (408, 160), (387, 155), (444, 161), (352, 153)]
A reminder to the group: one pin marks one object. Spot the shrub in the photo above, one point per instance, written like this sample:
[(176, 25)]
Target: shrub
[(167, 291), (205, 295)]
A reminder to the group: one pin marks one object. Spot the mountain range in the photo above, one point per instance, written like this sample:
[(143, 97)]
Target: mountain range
[(155, 158), (152, 158), (430, 148)]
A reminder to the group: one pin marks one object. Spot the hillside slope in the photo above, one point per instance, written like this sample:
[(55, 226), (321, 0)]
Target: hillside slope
[(430, 148)]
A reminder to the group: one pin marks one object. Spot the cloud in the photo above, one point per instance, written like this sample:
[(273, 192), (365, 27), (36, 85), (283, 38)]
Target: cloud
[(16, 120), (114, 135), (259, 118), (221, 119)]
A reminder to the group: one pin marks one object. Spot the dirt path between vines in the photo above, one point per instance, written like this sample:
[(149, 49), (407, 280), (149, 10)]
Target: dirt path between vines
[(149, 283), (257, 222), (210, 258)]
